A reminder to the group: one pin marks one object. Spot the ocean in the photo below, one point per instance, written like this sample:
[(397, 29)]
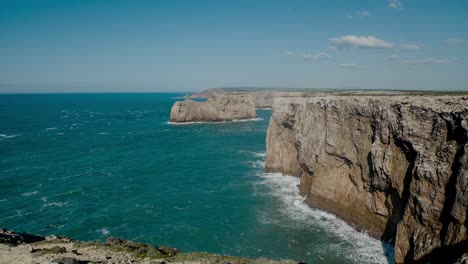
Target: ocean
[(91, 166)]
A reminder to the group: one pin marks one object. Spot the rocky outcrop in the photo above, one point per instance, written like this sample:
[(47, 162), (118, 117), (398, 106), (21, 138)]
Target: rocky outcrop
[(217, 108), (63, 250), (396, 166), (9, 237)]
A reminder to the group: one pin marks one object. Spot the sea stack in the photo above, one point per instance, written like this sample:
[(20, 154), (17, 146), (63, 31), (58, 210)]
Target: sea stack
[(218, 108), (396, 166)]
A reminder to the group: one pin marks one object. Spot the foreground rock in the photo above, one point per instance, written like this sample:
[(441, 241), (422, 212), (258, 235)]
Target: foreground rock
[(63, 250), (220, 108), (396, 166)]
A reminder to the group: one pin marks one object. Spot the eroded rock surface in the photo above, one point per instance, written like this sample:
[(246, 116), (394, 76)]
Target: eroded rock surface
[(63, 250), (226, 107), (396, 166)]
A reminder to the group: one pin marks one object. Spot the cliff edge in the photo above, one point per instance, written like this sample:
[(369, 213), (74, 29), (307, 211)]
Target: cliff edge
[(217, 108), (396, 166), (21, 248)]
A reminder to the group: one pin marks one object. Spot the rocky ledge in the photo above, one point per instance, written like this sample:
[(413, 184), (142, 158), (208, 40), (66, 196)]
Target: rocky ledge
[(16, 248), (218, 108), (396, 166)]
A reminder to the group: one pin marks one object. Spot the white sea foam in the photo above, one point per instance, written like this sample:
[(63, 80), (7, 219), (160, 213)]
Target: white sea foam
[(7, 136), (215, 122), (50, 128), (53, 204), (29, 193), (365, 249), (103, 231), (103, 133), (258, 164), (261, 154)]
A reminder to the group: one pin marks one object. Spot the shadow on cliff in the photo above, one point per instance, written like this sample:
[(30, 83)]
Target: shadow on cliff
[(445, 254), (399, 202)]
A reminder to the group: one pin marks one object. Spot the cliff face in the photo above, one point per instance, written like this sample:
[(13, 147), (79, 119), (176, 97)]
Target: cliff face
[(217, 108), (396, 166)]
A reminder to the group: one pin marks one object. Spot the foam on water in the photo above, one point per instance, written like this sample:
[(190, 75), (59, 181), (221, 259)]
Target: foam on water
[(215, 122), (365, 249), (7, 136), (52, 204), (261, 155), (29, 193), (103, 231)]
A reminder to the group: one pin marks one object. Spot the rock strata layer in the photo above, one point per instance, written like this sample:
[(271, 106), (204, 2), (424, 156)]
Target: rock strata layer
[(396, 166), (216, 109)]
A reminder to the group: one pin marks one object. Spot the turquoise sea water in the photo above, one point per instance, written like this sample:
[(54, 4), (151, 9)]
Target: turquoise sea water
[(92, 166)]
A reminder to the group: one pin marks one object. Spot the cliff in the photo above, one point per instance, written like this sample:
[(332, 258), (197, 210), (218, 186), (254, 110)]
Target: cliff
[(16, 248), (396, 166), (264, 97), (225, 107)]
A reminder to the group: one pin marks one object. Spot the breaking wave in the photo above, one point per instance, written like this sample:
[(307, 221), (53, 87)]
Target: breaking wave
[(363, 249)]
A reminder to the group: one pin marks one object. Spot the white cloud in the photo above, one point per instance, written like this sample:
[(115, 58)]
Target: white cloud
[(393, 57), (359, 14), (316, 56), (290, 53), (454, 41), (368, 42), (430, 61), (408, 46), (350, 66), (308, 56), (363, 13), (395, 4)]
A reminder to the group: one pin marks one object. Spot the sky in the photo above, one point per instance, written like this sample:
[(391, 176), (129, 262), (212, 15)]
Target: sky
[(176, 45)]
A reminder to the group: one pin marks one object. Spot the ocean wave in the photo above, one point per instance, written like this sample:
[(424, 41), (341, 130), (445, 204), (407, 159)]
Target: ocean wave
[(259, 164), (8, 136), (29, 193), (215, 122), (104, 231), (52, 204), (284, 188), (259, 154), (365, 248)]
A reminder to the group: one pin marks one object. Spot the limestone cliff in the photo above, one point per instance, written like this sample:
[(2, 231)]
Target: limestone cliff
[(217, 108), (396, 166)]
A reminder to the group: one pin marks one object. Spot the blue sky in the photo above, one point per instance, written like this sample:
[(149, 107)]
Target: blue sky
[(98, 46)]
